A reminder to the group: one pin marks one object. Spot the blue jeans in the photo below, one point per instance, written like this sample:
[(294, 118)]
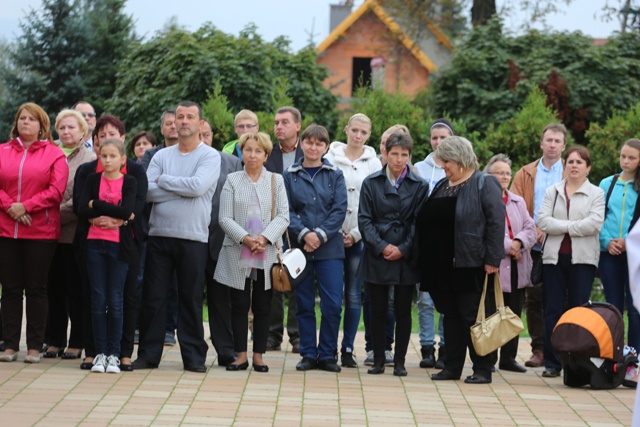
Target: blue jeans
[(352, 295), (426, 320), (391, 321), (106, 277), (563, 283), (615, 280), (329, 274)]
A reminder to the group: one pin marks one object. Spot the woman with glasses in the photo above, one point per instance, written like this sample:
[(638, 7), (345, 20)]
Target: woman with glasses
[(515, 267)]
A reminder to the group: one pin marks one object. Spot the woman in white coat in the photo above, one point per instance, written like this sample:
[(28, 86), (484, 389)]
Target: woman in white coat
[(356, 161), (572, 214), (249, 247)]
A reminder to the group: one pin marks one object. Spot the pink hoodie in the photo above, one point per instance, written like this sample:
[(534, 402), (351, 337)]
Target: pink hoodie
[(37, 178)]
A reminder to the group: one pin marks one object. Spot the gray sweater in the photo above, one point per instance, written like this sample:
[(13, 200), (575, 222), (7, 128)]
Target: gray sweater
[(182, 195)]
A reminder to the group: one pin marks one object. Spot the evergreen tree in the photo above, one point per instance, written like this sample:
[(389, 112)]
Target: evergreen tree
[(68, 51)]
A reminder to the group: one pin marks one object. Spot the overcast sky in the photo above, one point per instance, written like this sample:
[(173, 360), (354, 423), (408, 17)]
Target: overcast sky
[(297, 19)]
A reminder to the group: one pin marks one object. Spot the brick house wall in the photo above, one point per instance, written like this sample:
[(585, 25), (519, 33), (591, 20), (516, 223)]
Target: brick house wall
[(369, 37)]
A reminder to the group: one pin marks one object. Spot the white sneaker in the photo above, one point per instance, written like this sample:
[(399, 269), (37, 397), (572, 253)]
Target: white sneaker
[(99, 363), (388, 358), (113, 364)]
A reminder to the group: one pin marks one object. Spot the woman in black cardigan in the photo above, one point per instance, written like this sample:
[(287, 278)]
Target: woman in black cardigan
[(460, 229)]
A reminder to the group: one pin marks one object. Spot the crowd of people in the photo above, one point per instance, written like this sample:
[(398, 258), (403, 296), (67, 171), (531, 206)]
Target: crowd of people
[(111, 244)]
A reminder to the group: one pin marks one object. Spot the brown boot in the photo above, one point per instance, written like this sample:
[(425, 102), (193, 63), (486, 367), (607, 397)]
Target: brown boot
[(536, 360)]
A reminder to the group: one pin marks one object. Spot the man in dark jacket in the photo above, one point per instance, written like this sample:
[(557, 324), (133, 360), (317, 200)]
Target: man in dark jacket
[(285, 153), (218, 297)]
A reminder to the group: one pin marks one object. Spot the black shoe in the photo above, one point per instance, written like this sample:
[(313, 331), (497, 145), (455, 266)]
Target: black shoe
[(442, 355), (126, 368), (307, 364), (444, 376), (347, 360), (70, 356), (295, 347), (551, 373), (477, 379), (139, 364), (86, 366), (376, 370), (399, 370), (195, 367), (225, 360), (328, 365), (428, 356), (260, 368), (512, 366), (273, 346), (53, 354), (238, 367)]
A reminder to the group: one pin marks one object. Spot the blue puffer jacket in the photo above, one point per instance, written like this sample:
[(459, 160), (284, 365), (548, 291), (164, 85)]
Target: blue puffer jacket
[(317, 205)]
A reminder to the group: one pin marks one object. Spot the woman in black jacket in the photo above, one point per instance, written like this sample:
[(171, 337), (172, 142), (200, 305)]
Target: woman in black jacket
[(461, 230), (388, 202)]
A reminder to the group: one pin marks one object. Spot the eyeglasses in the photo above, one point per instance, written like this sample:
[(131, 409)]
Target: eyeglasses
[(501, 173), (243, 127), (85, 115)]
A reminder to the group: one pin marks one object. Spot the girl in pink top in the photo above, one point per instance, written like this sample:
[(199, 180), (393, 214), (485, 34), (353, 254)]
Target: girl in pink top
[(113, 194)]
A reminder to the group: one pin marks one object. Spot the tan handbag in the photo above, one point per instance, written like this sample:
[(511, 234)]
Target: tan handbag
[(491, 333)]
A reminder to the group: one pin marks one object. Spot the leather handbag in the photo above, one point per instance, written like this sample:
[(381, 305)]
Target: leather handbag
[(290, 270), (491, 333)]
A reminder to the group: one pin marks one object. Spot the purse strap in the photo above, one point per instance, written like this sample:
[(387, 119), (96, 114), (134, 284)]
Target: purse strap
[(546, 235), (498, 295), (273, 215)]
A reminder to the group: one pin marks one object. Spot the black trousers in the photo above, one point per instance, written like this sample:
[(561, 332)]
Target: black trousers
[(534, 310), (403, 296), (65, 298), (188, 259), (256, 297), (276, 329), (457, 297), (514, 300), (219, 306), (25, 265), (130, 306)]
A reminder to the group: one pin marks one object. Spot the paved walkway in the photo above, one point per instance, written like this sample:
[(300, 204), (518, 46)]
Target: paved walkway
[(57, 393)]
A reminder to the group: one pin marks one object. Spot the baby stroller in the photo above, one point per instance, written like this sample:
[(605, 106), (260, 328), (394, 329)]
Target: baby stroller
[(590, 341)]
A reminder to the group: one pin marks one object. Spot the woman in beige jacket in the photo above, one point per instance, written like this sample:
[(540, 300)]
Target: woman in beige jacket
[(64, 288), (572, 215)]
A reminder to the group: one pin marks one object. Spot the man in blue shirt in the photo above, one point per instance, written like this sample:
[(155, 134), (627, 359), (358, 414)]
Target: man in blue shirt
[(531, 182)]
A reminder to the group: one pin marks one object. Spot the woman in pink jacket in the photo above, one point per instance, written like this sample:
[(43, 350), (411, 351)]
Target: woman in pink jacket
[(515, 267), (33, 177)]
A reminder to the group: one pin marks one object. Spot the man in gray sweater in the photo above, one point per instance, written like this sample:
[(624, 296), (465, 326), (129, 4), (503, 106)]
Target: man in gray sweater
[(182, 180)]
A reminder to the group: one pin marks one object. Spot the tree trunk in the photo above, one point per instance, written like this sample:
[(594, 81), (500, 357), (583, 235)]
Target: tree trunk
[(625, 12), (482, 11)]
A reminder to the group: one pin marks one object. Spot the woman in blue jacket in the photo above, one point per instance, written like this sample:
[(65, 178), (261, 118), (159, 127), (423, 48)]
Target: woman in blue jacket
[(317, 207), (621, 192)]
